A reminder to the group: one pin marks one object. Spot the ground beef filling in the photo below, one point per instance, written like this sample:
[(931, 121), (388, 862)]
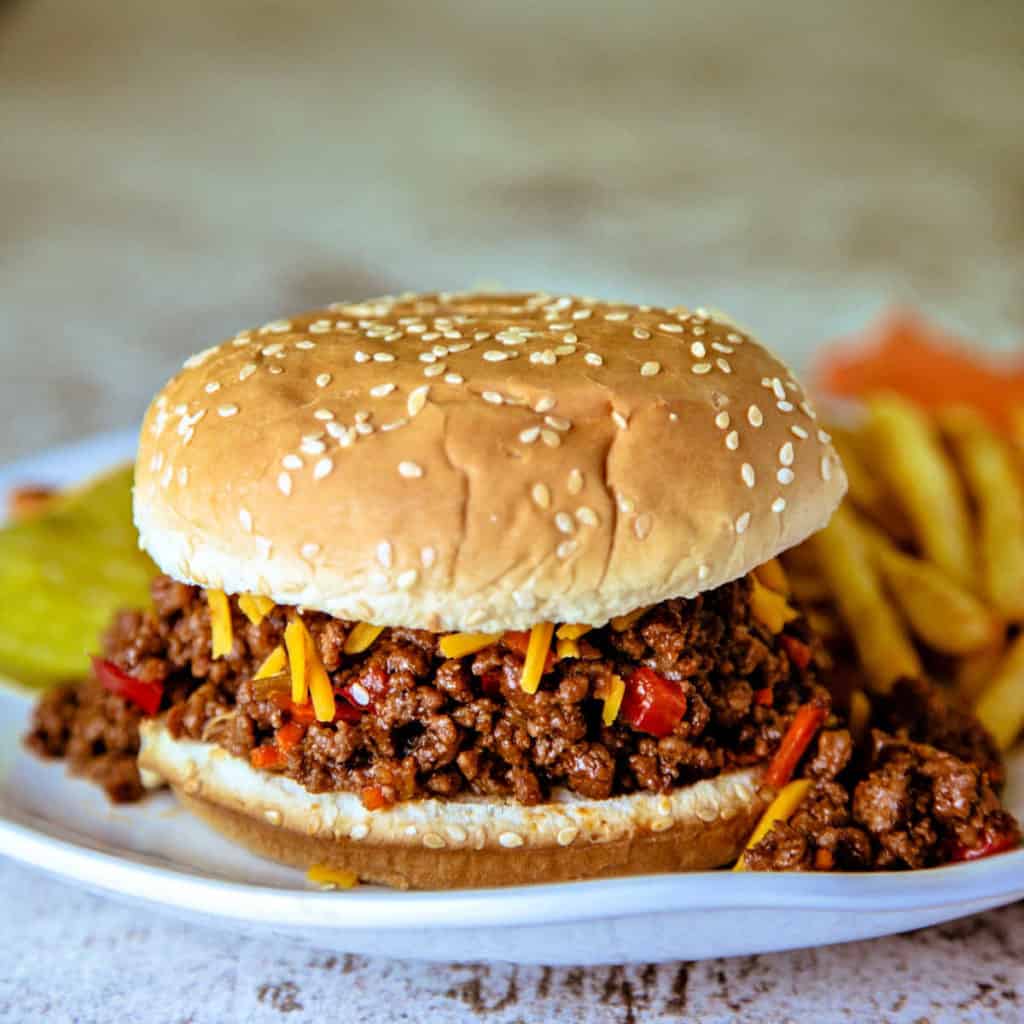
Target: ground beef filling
[(441, 727)]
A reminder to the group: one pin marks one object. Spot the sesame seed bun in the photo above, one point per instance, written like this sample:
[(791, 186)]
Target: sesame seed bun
[(481, 462), (466, 842)]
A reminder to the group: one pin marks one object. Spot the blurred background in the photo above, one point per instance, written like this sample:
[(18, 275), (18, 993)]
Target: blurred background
[(173, 172)]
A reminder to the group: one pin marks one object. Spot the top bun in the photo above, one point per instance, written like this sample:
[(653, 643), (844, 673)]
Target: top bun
[(481, 462)]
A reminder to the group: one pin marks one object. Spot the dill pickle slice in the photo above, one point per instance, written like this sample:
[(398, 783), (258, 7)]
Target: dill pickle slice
[(63, 574)]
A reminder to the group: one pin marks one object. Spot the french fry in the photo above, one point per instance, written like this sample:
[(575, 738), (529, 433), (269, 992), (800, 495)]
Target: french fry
[(1001, 705), (974, 672), (995, 484), (939, 611), (865, 488), (885, 650), (913, 464)]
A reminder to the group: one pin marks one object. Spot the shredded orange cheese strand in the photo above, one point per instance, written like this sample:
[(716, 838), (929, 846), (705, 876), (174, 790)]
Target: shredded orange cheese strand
[(572, 631), (275, 663), (567, 649), (536, 655), (255, 607), (773, 576), (335, 878), (296, 639), (769, 608), (220, 623), (361, 637), (613, 701), (458, 645), (319, 683), (623, 622), (781, 808)]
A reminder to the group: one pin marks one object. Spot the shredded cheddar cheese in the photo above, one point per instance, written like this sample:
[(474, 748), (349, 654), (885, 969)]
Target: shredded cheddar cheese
[(781, 808), (276, 662), (332, 878), (296, 639), (769, 608), (623, 622), (613, 701), (536, 654), (361, 637), (572, 631), (220, 622), (319, 683), (773, 576), (566, 649), (255, 607), (458, 645)]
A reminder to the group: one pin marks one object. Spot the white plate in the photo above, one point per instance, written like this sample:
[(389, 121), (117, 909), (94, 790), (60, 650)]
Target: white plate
[(157, 855)]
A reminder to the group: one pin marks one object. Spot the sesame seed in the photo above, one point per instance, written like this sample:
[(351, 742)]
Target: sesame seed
[(558, 423), (272, 350), (732, 440), (824, 436), (284, 483), (620, 420), (565, 350), (797, 431), (725, 349), (212, 386), (227, 410), (779, 505), (626, 505), (673, 417), (784, 476), (582, 314), (754, 416), (510, 839), (826, 468), (494, 355), (199, 358), (410, 470), (383, 357), (384, 554), (807, 410), (417, 399), (361, 357), (700, 368), (428, 357), (786, 454), (382, 390), (698, 350), (784, 406), (566, 549), (433, 841), (703, 572), (593, 359), (698, 331), (736, 339), (434, 371), (323, 414), (722, 420), (276, 327), (566, 836), (323, 379), (550, 438), (305, 344), (322, 468), (641, 333), (461, 347), (747, 472), (544, 404), (742, 522), (407, 579), (454, 378), (586, 516), (724, 365), (780, 391), (247, 371), (541, 495), (529, 435), (245, 518), (310, 550), (312, 446), (564, 522), (671, 328), (494, 397), (650, 369), (575, 481), (617, 316), (291, 462), (642, 526)]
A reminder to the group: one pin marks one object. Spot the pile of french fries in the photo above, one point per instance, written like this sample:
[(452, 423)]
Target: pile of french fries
[(921, 572)]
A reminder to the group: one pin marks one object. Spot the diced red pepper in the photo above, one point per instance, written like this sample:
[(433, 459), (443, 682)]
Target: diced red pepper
[(519, 641), (764, 696), (304, 714), (143, 693), (490, 682), (651, 703), (289, 735), (799, 652), (806, 723), (374, 798), (267, 756), (998, 842)]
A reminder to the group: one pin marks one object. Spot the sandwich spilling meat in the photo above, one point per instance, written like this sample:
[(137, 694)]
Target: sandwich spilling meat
[(481, 589)]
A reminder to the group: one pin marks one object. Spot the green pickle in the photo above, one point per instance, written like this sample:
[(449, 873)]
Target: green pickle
[(63, 574)]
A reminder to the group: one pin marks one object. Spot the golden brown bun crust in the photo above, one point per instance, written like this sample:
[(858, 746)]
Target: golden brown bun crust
[(447, 844), (555, 459)]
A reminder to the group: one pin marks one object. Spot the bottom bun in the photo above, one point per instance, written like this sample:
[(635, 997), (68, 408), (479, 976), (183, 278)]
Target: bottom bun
[(467, 842)]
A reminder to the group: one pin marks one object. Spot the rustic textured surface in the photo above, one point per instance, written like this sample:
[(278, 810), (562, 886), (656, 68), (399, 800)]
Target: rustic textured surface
[(172, 173)]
